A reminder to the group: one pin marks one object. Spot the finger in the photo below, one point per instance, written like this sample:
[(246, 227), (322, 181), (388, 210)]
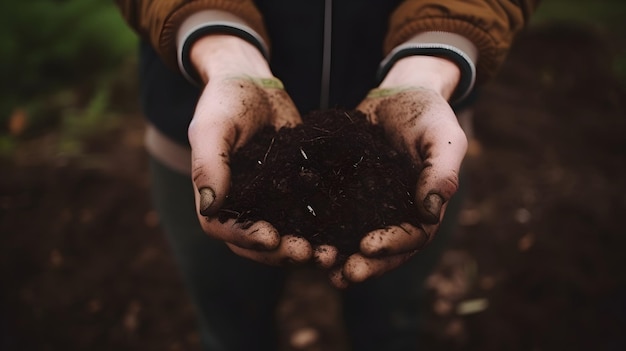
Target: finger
[(438, 146), (359, 268), (212, 138), (325, 256), (394, 240), (210, 172), (432, 136), (260, 236), (439, 177), (292, 249), (368, 108), (337, 279)]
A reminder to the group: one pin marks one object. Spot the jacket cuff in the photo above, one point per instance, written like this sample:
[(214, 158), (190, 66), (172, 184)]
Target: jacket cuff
[(211, 22), (451, 46)]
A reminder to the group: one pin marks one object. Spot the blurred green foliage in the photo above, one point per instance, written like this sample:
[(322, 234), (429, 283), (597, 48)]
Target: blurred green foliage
[(58, 56), (606, 17), (45, 43)]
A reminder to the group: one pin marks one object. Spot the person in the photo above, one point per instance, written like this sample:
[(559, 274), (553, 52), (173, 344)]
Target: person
[(214, 72)]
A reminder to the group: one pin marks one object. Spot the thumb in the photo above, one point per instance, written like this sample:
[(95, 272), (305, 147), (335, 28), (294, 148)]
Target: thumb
[(210, 169), (213, 134), (439, 178)]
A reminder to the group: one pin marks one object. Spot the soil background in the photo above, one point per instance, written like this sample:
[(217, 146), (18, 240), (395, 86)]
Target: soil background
[(537, 262)]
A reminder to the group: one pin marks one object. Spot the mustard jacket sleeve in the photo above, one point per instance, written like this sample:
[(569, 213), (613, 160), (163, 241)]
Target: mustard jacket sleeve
[(159, 20), (490, 25)]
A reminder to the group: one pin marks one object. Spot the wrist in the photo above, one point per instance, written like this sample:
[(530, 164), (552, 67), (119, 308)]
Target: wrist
[(207, 26), (434, 73), (227, 55), (445, 46)]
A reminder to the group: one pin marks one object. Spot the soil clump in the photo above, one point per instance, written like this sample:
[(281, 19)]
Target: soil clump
[(331, 180)]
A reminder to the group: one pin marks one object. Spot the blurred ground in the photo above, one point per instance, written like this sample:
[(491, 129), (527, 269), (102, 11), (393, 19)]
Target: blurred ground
[(536, 264)]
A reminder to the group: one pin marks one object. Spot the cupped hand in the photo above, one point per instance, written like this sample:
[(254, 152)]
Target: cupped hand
[(411, 104), (240, 97)]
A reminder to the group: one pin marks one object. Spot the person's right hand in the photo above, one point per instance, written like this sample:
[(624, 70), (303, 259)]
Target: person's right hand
[(240, 97)]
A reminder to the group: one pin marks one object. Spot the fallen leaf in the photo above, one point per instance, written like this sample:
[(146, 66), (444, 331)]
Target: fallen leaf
[(526, 242), (131, 318), (304, 337), (17, 122), (56, 258), (470, 216), (94, 306), (86, 216), (472, 306), (522, 216), (151, 219)]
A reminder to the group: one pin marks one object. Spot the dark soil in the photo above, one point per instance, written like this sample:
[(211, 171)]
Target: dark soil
[(539, 248), (331, 180)]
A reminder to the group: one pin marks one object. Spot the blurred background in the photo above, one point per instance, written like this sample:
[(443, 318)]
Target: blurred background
[(536, 263)]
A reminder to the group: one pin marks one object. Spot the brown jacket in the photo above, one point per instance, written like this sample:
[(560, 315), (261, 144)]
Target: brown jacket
[(489, 24)]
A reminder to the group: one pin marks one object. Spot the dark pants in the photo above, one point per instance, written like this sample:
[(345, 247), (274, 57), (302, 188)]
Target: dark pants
[(236, 298)]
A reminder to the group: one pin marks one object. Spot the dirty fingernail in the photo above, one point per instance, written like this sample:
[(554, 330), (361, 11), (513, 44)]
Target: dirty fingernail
[(324, 256), (207, 197), (432, 204)]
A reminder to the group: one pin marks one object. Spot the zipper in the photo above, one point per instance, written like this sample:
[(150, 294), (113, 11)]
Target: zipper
[(326, 54)]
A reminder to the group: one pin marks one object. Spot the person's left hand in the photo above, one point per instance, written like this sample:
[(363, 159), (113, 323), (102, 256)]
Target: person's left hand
[(411, 104)]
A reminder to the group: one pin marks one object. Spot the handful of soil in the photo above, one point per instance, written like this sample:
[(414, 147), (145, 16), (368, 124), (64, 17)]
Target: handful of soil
[(331, 180)]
